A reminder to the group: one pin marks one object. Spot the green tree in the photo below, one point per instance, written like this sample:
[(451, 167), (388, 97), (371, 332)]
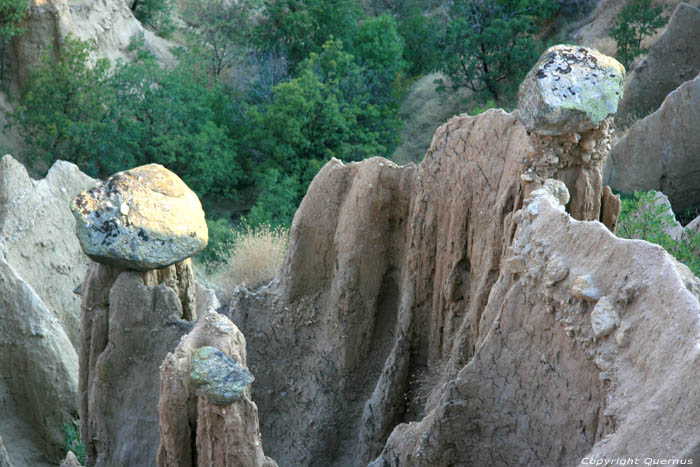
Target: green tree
[(108, 119), (66, 108), (489, 43), (299, 27), (12, 12), (219, 29), (326, 111), (637, 20)]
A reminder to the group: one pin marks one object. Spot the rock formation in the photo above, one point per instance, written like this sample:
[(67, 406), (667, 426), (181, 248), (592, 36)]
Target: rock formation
[(565, 103), (673, 59), (109, 24), (41, 264), (660, 152), (70, 460), (130, 320), (453, 313), (193, 430), (4, 457), (144, 218), (37, 226), (559, 378)]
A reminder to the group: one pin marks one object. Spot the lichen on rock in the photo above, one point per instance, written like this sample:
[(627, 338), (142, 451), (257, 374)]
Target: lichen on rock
[(570, 89), (220, 377), (145, 218)]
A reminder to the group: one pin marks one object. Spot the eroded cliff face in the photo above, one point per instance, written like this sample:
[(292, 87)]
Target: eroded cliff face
[(108, 24), (456, 312)]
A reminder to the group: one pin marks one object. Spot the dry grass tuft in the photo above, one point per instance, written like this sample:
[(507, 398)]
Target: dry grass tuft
[(254, 256)]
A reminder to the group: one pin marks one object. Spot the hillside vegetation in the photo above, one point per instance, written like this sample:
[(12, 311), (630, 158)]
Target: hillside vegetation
[(265, 92)]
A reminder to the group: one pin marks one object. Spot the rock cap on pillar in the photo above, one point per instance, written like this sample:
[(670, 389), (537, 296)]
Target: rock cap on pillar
[(571, 89), (144, 218)]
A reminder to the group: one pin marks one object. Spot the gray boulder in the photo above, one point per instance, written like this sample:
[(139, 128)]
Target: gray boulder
[(570, 89), (673, 59), (222, 379), (144, 218)]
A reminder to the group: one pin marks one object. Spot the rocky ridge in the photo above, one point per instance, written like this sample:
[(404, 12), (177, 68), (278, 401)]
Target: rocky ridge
[(42, 265)]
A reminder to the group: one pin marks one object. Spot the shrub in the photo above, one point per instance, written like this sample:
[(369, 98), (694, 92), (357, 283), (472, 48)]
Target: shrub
[(72, 442), (255, 253), (636, 20), (642, 218)]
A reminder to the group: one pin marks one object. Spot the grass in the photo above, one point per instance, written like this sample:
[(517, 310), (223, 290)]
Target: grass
[(253, 256)]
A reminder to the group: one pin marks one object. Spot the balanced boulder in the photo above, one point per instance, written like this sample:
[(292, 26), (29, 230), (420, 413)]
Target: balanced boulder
[(219, 376), (144, 218), (570, 89)]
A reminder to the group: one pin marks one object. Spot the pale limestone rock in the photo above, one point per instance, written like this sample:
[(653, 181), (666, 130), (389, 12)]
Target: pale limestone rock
[(144, 218), (604, 317), (570, 89), (70, 461), (584, 287)]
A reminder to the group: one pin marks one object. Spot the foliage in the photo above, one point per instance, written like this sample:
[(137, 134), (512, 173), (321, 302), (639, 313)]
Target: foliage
[(421, 35), (219, 29), (72, 442), (109, 120), (636, 20), (489, 44), (157, 14), (300, 27), (327, 111), (254, 254), (12, 12), (641, 217), (65, 109)]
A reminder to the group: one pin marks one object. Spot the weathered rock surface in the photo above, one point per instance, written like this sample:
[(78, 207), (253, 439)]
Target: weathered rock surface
[(193, 431), (571, 89), (660, 152), (442, 314), (41, 265), (386, 283), (540, 364), (145, 218), (39, 369), (37, 226), (4, 456), (70, 460), (672, 60), (129, 322), (109, 24)]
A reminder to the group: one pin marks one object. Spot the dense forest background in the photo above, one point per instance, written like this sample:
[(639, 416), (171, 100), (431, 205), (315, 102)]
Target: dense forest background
[(263, 93)]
